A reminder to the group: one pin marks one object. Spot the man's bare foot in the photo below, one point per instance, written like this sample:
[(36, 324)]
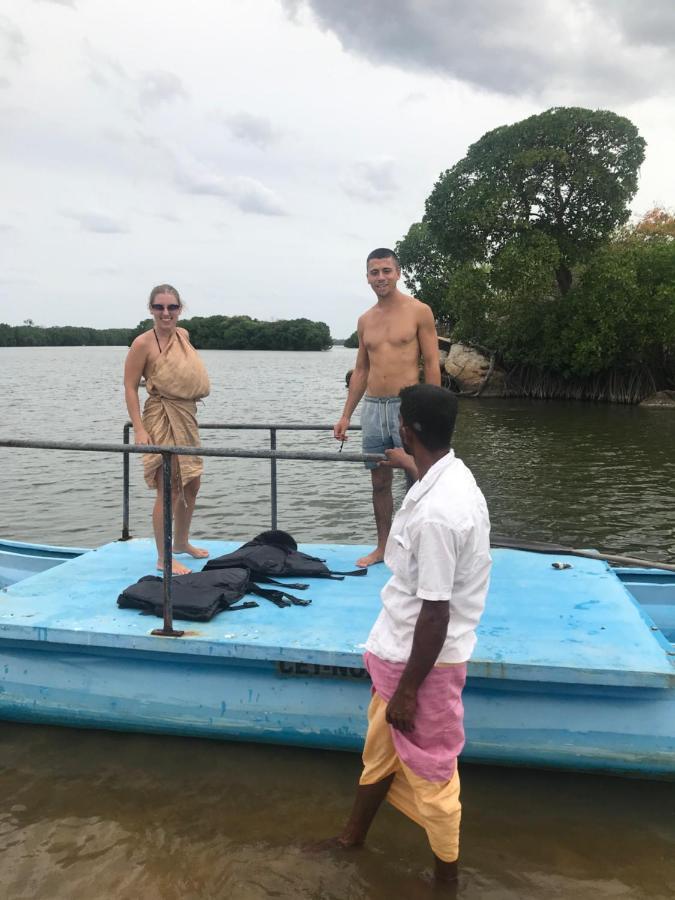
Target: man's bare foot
[(195, 552), (377, 556), (177, 568)]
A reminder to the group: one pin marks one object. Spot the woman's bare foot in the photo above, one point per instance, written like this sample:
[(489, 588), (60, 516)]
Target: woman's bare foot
[(195, 552), (377, 556), (177, 568)]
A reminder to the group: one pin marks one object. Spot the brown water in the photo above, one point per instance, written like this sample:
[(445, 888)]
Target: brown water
[(89, 815), (101, 815)]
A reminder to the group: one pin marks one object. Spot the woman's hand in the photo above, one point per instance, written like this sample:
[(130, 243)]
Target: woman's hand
[(141, 436)]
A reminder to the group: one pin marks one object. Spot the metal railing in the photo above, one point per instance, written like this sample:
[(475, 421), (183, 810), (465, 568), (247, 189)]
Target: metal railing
[(239, 454), (167, 452)]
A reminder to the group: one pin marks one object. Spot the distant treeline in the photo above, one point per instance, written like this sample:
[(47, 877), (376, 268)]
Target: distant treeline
[(245, 333), (61, 336), (206, 333)]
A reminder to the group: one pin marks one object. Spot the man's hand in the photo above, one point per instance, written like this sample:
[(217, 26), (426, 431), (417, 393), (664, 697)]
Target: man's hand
[(401, 710), (340, 429), (399, 459)]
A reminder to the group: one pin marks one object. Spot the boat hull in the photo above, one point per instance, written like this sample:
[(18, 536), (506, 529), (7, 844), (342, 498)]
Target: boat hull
[(19, 560), (618, 730), (234, 679)]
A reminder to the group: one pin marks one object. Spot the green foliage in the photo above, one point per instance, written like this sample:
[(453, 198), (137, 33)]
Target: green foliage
[(524, 247), (621, 315), (29, 335), (352, 341), (245, 333), (567, 174), (210, 333), (618, 316), (427, 270)]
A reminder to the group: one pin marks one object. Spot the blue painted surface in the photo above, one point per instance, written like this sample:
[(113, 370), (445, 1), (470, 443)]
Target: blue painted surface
[(578, 625), (19, 560), (21, 548), (76, 603), (568, 670), (655, 592)]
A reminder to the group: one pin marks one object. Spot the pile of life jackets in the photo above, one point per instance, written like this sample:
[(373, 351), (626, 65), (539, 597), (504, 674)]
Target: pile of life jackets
[(223, 582)]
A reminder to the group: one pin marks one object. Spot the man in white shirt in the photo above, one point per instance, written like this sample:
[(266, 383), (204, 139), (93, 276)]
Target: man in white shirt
[(438, 552)]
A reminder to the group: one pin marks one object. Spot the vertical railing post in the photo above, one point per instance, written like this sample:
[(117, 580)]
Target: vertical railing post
[(168, 629), (273, 476), (125, 490)]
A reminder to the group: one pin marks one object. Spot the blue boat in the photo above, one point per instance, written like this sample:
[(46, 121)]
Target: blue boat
[(574, 666)]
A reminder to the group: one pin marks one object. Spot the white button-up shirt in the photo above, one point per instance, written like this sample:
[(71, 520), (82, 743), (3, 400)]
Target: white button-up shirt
[(438, 549)]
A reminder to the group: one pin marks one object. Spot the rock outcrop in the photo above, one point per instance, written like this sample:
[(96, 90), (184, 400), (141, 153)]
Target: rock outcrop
[(473, 372), (661, 398)]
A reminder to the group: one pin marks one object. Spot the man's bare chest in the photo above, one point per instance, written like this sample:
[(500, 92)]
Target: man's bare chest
[(394, 334)]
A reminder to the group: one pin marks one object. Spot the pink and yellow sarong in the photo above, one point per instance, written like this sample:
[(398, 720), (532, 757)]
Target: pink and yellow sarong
[(175, 381), (426, 781)]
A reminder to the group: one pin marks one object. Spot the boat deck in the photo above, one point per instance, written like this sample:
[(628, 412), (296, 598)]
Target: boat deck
[(577, 625)]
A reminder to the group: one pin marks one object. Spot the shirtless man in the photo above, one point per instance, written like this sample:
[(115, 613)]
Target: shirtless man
[(392, 335)]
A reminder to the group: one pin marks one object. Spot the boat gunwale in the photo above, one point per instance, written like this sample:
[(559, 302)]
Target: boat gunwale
[(194, 646)]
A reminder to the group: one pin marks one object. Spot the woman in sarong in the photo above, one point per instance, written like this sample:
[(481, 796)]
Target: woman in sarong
[(175, 379)]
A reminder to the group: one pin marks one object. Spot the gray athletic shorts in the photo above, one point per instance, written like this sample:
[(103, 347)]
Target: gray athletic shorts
[(379, 425)]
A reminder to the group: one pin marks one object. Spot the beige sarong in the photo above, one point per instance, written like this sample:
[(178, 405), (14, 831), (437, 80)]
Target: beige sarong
[(175, 381)]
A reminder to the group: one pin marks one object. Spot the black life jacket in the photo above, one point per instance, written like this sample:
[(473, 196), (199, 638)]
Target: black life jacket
[(200, 595), (276, 553)]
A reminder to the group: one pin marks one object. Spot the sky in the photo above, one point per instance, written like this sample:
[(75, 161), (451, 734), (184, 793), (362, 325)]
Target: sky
[(253, 153)]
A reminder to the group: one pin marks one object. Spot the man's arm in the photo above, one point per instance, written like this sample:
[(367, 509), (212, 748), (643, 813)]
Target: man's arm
[(430, 633), (357, 388), (428, 341), (399, 459)]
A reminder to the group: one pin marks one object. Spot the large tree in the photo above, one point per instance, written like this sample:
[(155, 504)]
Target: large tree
[(567, 174), (427, 270)]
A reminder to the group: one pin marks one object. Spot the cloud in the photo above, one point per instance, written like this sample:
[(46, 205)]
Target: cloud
[(13, 46), (252, 129), (370, 180), (168, 217), (650, 23), (149, 89), (247, 194), (155, 88), (107, 270), (252, 196), (105, 71), (95, 222), (413, 98), (615, 49), (70, 3)]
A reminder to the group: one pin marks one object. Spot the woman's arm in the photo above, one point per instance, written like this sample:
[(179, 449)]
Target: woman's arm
[(133, 369)]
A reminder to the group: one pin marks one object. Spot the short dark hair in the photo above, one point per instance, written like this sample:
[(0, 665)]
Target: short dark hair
[(383, 253), (431, 412)]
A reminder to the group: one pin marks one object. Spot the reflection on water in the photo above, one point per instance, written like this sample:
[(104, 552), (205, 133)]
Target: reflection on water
[(95, 815)]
